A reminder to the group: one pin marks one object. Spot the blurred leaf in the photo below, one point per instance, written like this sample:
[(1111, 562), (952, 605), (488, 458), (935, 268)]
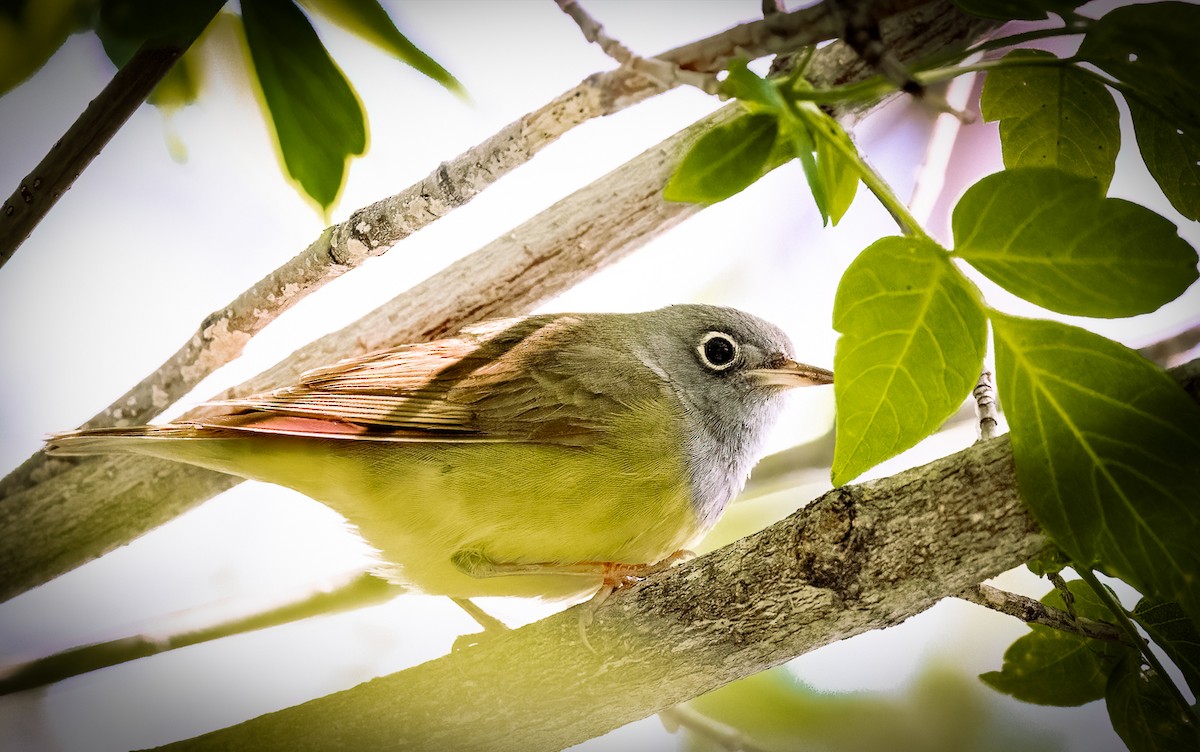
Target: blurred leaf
[(30, 32), (317, 118), (724, 161), (1053, 239), (1155, 49), (756, 93), (368, 20), (912, 344), (1014, 10), (1105, 445), (941, 711), (1051, 667), (1053, 117), (1144, 713), (180, 86), (1172, 155), (125, 25), (1171, 630)]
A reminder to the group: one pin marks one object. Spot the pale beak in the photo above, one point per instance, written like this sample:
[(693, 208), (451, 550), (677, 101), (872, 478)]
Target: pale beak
[(789, 374)]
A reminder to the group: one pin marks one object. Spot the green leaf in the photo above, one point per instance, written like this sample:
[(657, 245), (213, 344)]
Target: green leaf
[(1144, 713), (1172, 155), (181, 85), (1172, 631), (1053, 117), (1053, 239), (724, 161), (797, 133), (1155, 49), (318, 120), (368, 20), (1051, 667), (752, 90), (1106, 447), (838, 174), (912, 344), (124, 26), (30, 32), (1015, 10)]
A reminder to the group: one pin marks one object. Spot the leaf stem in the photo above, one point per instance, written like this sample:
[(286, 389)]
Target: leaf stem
[(1012, 40), (872, 179), (1126, 624)]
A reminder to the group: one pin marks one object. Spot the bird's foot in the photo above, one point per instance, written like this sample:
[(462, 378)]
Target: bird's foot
[(617, 576), (613, 575)]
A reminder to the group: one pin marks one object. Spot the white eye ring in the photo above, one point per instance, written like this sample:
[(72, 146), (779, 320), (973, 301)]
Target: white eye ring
[(718, 351)]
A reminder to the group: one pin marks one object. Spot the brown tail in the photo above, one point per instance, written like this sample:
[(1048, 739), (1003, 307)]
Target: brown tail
[(116, 440)]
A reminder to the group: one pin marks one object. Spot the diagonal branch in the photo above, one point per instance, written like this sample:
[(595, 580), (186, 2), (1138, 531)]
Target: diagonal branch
[(69, 511)]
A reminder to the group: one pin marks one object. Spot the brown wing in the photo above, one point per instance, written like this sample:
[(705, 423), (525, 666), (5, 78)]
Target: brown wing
[(495, 382)]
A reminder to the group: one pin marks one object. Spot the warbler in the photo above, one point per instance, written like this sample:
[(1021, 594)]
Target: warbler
[(544, 455)]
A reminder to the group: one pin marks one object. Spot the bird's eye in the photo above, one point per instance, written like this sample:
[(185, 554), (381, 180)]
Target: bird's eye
[(717, 351)]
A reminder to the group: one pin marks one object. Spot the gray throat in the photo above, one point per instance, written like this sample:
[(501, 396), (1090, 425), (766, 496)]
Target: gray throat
[(721, 450)]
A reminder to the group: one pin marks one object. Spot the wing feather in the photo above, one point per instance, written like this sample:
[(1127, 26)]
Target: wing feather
[(497, 382)]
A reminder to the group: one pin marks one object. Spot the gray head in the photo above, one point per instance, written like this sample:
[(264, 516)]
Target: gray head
[(728, 369)]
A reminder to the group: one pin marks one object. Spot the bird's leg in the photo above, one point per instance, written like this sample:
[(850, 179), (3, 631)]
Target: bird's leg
[(613, 575), (491, 625)]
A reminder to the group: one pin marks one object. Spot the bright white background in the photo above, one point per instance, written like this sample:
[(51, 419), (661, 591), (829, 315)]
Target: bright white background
[(143, 247)]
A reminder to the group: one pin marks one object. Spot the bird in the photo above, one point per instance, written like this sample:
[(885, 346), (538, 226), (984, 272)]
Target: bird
[(550, 455)]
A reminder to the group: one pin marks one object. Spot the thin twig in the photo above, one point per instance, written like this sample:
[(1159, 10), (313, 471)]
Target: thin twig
[(727, 737), (985, 406), (90, 133), (663, 72), (358, 591), (1032, 611), (1065, 592)]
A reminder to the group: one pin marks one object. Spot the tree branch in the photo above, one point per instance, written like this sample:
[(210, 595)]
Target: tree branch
[(90, 133), (71, 510), (375, 229), (859, 558)]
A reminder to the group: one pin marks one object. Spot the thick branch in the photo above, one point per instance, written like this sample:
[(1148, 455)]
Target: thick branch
[(375, 229), (90, 133), (69, 511), (859, 558)]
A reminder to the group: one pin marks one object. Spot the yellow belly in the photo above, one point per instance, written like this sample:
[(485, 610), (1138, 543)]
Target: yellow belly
[(623, 499)]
